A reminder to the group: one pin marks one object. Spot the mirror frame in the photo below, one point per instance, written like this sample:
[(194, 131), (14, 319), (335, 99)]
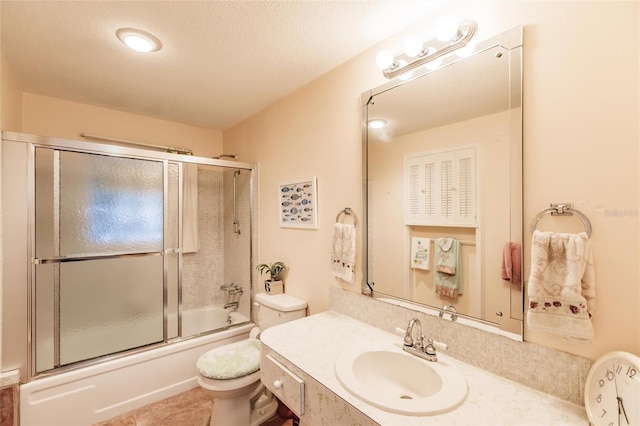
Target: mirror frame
[(512, 41)]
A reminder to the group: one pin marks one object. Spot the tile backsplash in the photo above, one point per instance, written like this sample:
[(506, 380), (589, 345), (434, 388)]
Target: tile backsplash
[(548, 370)]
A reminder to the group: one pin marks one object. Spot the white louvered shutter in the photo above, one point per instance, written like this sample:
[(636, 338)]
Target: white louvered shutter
[(440, 188)]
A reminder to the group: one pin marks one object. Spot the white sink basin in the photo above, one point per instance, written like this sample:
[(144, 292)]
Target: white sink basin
[(386, 377)]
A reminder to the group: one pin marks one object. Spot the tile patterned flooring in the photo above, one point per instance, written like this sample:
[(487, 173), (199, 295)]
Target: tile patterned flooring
[(190, 408)]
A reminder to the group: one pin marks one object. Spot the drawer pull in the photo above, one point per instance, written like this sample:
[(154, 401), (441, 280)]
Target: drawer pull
[(277, 384)]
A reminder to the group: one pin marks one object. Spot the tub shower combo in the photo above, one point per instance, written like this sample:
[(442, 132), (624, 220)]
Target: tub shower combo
[(133, 254)]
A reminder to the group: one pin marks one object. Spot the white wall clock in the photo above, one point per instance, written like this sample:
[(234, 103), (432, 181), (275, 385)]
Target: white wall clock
[(612, 390)]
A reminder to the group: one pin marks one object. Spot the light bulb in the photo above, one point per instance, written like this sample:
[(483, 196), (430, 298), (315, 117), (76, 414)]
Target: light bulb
[(413, 46), (447, 29), (137, 43), (435, 64), (377, 123), (384, 59), (138, 40)]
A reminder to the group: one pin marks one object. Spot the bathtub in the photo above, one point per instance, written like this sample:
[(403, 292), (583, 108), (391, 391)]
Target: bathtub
[(98, 392), (197, 321)]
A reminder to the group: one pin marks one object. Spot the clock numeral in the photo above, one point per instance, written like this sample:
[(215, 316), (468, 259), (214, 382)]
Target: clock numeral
[(609, 375), (631, 372), (601, 382), (603, 412), (618, 369), (599, 398)]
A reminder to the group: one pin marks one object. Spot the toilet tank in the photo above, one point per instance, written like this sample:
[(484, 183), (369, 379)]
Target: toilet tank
[(279, 308)]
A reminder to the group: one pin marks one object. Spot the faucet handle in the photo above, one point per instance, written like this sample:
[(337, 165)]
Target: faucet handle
[(407, 339), (439, 345)]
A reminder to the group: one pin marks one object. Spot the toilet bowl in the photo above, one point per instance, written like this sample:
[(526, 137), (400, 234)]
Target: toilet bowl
[(230, 374)]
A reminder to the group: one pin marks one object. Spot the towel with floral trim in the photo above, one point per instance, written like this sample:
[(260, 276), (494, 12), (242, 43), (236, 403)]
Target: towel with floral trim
[(561, 286), (448, 278), (343, 253)]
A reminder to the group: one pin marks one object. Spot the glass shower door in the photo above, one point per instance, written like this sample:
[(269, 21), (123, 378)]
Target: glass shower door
[(99, 268)]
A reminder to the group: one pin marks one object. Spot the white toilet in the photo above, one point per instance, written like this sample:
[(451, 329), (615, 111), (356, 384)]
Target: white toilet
[(230, 374)]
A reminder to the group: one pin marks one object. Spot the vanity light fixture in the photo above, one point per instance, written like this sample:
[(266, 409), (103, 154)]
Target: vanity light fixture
[(138, 40), (450, 36)]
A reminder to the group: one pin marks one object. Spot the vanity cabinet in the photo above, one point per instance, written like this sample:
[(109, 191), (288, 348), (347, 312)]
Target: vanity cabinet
[(285, 385), (310, 400), (440, 188), (309, 347)]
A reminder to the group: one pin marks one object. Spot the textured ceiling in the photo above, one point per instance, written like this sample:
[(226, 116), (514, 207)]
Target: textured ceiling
[(221, 61)]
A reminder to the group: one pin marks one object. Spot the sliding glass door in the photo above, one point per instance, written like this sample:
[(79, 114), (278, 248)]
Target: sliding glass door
[(100, 236)]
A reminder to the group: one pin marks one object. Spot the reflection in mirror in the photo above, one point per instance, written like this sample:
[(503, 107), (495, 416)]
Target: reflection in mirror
[(444, 186)]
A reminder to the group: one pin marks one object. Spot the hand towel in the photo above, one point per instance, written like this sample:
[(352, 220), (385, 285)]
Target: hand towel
[(448, 277), (512, 263), (343, 256), (420, 250), (561, 286), (190, 241)]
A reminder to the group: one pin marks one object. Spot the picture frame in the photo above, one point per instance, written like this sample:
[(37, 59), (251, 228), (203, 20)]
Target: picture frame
[(298, 203)]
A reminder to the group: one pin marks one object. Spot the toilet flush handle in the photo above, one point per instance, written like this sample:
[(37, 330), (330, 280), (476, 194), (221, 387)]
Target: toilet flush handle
[(277, 383)]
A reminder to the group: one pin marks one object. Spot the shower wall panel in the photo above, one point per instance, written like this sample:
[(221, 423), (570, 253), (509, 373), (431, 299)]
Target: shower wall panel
[(203, 271), (237, 246)]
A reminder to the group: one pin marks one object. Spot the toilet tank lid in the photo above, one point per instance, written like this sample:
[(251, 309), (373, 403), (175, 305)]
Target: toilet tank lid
[(282, 302)]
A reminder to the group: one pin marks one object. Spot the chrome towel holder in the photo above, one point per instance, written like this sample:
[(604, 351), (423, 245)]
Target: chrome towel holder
[(347, 211), (562, 209)]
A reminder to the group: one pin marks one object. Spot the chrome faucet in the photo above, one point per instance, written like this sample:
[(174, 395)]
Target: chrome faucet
[(416, 346), (231, 305), (446, 308), (229, 287), (408, 336)]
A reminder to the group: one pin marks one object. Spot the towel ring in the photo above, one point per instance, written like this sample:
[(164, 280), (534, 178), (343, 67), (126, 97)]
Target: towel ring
[(347, 211), (562, 209)]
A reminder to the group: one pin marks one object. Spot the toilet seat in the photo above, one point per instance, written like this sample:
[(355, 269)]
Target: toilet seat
[(232, 386), (232, 361)]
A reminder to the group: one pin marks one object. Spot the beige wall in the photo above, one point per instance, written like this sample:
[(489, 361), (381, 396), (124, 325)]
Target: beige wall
[(11, 99), (64, 119), (580, 145)]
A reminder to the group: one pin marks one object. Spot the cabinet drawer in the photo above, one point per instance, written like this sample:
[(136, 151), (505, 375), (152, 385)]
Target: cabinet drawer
[(288, 387)]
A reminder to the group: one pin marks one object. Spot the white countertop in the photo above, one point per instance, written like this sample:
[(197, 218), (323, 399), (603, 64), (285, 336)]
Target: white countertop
[(314, 343)]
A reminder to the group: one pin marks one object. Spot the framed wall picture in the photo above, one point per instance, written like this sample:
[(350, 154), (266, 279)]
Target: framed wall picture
[(298, 204)]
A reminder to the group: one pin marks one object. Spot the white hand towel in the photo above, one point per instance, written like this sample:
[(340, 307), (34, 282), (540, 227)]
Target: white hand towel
[(343, 255), (561, 286), (420, 251)]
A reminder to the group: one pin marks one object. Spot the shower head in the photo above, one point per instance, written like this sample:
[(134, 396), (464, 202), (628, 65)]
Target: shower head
[(232, 156)]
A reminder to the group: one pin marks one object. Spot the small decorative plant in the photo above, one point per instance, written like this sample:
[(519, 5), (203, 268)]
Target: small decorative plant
[(274, 270), (274, 284)]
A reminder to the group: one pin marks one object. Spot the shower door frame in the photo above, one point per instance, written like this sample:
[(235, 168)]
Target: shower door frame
[(33, 142)]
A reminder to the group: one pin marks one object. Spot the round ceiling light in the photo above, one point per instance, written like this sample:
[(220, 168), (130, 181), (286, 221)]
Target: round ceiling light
[(377, 123), (138, 40)]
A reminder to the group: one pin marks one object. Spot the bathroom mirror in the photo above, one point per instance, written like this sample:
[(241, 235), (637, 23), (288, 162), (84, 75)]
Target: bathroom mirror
[(444, 186)]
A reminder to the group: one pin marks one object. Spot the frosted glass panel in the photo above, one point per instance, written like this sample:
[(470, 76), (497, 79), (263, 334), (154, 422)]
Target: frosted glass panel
[(46, 211), (108, 306), (172, 238), (173, 185), (44, 330), (110, 204)]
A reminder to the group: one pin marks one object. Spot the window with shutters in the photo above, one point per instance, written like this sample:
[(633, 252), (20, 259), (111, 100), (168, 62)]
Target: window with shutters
[(440, 188)]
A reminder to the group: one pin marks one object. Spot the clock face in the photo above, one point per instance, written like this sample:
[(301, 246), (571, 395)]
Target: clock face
[(612, 391)]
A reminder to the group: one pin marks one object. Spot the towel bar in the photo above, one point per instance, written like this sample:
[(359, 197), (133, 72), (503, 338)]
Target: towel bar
[(347, 211), (562, 209)]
